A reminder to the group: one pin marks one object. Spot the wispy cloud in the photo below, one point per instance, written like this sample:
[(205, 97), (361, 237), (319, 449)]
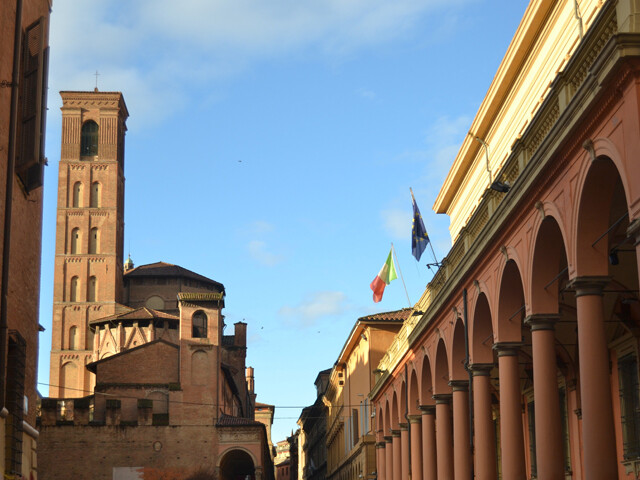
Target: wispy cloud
[(152, 49), (397, 222), (315, 306), (366, 93), (260, 252)]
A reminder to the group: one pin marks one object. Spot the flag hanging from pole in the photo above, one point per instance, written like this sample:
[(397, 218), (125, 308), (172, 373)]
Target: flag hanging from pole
[(419, 236), (387, 273)]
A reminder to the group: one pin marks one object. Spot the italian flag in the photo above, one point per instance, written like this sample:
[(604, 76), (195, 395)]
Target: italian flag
[(387, 273)]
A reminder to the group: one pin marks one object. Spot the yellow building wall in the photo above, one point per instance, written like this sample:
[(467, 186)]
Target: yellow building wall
[(549, 32)]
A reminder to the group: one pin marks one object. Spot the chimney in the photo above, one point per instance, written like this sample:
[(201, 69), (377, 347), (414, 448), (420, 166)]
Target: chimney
[(240, 334), (250, 379)]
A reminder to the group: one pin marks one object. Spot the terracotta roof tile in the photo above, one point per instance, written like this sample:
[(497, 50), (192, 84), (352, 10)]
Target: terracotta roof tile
[(229, 421), (163, 269), (394, 316), (142, 313)]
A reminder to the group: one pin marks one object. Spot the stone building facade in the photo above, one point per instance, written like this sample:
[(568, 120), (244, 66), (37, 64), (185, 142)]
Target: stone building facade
[(312, 436), (350, 437), (23, 105), (142, 373), (521, 358)]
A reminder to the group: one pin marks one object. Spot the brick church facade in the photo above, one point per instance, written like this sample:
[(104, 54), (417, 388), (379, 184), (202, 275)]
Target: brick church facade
[(144, 382)]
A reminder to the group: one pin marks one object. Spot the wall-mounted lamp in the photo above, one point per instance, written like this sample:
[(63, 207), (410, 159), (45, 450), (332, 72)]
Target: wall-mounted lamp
[(613, 257), (500, 186)]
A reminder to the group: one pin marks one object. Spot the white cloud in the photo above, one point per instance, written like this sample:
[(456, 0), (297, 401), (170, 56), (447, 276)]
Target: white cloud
[(316, 305), (162, 49), (366, 93), (259, 251)]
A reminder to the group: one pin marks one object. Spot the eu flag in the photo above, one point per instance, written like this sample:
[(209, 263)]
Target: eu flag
[(419, 236)]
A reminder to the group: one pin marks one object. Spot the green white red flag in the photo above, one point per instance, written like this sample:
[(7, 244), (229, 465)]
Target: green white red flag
[(387, 273)]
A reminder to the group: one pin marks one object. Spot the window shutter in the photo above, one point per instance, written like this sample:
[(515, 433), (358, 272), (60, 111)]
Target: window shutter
[(30, 162)]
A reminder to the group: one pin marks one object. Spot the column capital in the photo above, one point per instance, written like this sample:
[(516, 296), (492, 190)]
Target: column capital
[(387, 438), (481, 369), (633, 231), (404, 426), (380, 444), (542, 321), (442, 398), (459, 385), (507, 349), (589, 284), (415, 419), (427, 409), (395, 433)]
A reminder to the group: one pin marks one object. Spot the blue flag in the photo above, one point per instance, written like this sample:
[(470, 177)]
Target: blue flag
[(419, 236)]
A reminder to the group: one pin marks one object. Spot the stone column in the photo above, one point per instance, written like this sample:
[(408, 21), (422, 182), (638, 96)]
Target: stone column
[(388, 457), (404, 451), (461, 430), (429, 459), (380, 461), (444, 436), (415, 430), (397, 454), (511, 434), (484, 430), (598, 436), (549, 448)]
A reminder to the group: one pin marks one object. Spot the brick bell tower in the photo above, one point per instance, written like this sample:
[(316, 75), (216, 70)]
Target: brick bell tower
[(89, 233)]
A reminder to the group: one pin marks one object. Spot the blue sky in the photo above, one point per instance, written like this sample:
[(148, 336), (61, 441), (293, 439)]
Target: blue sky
[(271, 147)]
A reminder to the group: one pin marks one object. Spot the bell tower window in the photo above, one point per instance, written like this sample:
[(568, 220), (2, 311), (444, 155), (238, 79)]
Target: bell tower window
[(89, 139), (95, 195), (93, 241), (199, 325), (77, 195), (75, 240)]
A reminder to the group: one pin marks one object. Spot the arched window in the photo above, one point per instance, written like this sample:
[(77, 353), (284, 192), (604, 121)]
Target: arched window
[(77, 195), (92, 290), (199, 324), (95, 195), (93, 240), (89, 139), (156, 302), (75, 240), (73, 289), (73, 338)]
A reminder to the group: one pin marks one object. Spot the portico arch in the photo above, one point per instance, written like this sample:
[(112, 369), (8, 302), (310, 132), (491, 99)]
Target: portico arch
[(237, 462)]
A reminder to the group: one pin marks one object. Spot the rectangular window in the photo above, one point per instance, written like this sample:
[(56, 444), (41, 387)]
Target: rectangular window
[(629, 401), (531, 414), (564, 418)]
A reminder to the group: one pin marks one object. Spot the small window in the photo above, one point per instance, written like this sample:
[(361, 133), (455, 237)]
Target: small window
[(77, 195), (89, 139), (95, 195), (73, 290), (73, 338), (93, 287), (199, 323), (75, 240), (93, 241)]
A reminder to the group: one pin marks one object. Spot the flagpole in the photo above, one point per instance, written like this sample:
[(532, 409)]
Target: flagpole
[(401, 277), (430, 243)]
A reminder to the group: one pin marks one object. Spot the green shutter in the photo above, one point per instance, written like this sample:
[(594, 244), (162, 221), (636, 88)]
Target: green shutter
[(30, 161)]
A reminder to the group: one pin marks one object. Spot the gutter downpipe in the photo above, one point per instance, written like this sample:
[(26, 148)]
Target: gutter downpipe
[(468, 368), (6, 241)]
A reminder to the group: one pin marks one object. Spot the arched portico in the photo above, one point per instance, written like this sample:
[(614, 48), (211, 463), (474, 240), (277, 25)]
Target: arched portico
[(237, 463)]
